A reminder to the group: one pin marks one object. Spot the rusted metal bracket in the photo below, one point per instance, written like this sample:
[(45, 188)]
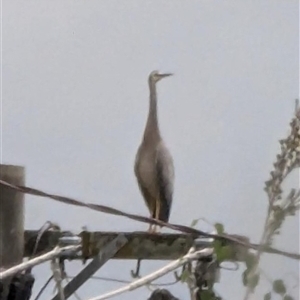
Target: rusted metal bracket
[(105, 253)]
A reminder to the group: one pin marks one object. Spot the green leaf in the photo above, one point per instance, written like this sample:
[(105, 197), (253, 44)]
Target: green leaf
[(219, 227), (288, 297), (206, 295), (184, 275), (250, 260), (224, 253), (267, 296), (253, 280), (217, 247), (279, 287), (279, 214), (244, 276), (194, 222)]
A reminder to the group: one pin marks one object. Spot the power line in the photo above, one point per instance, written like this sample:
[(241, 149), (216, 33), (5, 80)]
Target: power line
[(116, 212)]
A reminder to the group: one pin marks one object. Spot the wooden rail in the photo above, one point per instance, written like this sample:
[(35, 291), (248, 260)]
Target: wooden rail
[(140, 245)]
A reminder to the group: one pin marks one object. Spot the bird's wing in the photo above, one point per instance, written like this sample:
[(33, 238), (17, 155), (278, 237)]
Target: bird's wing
[(165, 179), (140, 176)]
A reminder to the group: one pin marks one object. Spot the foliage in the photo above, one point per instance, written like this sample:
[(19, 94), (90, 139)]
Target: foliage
[(279, 207), (222, 250), (201, 276), (279, 288)]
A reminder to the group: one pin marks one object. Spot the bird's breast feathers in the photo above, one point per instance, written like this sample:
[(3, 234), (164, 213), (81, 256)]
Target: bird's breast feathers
[(148, 159)]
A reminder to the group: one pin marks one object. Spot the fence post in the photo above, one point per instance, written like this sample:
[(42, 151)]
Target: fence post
[(11, 220)]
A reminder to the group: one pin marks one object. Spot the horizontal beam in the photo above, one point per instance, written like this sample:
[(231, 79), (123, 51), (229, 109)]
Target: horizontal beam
[(140, 245)]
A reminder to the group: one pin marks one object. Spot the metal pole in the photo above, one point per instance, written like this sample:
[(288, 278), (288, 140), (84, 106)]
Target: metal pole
[(11, 219)]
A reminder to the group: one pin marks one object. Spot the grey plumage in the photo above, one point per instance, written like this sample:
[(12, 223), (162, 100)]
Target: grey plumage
[(154, 167)]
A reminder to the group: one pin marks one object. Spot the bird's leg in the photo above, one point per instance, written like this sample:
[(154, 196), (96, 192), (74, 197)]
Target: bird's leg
[(157, 210), (150, 229)]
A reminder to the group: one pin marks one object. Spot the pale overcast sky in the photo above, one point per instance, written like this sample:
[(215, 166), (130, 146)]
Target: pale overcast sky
[(75, 101)]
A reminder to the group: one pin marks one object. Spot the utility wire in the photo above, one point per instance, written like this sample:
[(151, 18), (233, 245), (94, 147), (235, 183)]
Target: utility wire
[(116, 212)]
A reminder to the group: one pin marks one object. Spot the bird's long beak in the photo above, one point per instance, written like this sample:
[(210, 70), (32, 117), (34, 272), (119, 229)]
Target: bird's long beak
[(165, 75)]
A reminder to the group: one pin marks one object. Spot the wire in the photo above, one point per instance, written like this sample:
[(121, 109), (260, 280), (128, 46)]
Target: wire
[(116, 212), (43, 288), (127, 281), (47, 226)]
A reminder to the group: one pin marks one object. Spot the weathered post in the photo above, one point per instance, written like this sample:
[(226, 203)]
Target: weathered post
[(11, 219)]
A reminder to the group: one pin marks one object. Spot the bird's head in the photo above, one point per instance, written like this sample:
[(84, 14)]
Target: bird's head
[(155, 76)]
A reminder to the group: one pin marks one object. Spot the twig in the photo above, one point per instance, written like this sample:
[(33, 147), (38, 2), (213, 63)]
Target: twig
[(37, 261), (191, 280), (57, 276), (157, 274)]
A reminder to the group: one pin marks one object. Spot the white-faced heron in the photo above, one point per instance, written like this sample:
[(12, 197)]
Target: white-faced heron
[(154, 167)]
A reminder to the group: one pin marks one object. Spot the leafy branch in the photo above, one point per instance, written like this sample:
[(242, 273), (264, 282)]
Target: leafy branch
[(279, 208)]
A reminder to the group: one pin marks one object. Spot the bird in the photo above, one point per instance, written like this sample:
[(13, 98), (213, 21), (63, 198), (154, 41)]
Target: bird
[(154, 167)]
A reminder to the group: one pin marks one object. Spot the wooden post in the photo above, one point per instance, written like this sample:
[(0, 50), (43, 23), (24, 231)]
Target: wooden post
[(11, 219)]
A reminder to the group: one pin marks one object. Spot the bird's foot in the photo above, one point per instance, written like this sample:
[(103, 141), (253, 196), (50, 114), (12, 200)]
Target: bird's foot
[(152, 229)]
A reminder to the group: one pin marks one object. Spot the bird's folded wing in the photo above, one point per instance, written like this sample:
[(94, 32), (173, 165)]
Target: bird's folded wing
[(165, 179)]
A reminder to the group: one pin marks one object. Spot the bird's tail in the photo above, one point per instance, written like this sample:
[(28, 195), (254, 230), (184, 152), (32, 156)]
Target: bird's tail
[(164, 211)]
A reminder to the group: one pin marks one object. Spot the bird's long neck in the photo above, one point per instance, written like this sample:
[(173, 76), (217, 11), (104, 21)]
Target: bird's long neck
[(152, 129)]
